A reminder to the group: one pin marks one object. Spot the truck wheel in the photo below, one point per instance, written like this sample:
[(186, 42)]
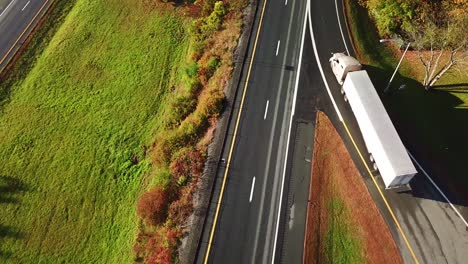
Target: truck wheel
[(371, 158), (345, 98)]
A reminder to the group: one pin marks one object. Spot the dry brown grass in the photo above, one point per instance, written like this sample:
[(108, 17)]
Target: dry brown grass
[(334, 176)]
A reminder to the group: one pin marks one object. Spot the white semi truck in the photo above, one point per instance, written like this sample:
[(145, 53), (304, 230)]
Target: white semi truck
[(386, 151)]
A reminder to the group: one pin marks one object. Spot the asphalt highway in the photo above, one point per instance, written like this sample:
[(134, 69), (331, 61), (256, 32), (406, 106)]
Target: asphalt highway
[(436, 230), (247, 222), (15, 17), (426, 227)]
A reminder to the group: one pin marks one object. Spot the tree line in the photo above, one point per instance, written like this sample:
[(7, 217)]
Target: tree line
[(436, 30)]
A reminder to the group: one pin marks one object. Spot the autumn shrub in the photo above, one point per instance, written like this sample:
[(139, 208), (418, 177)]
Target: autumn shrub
[(212, 23), (161, 255), (180, 107), (207, 7), (152, 206), (210, 102), (162, 148), (159, 247), (190, 78), (191, 129), (213, 65), (167, 143), (180, 210), (162, 177), (188, 163), (192, 111), (153, 248), (237, 6)]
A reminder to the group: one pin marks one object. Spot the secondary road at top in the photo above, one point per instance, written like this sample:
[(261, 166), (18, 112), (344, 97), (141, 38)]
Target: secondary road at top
[(15, 16), (247, 221)]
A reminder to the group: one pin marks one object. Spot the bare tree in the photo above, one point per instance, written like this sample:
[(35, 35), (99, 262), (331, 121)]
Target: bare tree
[(441, 47)]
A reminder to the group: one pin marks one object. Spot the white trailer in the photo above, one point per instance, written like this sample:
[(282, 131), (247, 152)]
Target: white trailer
[(386, 150)]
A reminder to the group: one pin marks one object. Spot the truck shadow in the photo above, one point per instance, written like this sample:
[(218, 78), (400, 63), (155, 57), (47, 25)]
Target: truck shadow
[(433, 125)]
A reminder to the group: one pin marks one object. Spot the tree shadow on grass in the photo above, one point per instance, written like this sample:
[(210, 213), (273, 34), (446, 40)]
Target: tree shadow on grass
[(433, 125), (454, 86), (10, 189), (9, 232)]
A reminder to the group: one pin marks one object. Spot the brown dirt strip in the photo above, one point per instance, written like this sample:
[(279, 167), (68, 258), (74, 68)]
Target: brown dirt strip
[(335, 175)]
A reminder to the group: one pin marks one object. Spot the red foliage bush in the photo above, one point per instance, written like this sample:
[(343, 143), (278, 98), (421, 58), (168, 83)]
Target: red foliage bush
[(157, 247), (180, 210), (187, 162), (152, 206), (162, 255)]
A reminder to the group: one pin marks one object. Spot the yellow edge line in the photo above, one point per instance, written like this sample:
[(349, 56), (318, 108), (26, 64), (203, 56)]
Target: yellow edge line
[(24, 31), (235, 134), (381, 194)]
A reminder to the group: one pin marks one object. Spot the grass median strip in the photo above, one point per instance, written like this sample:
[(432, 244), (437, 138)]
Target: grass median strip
[(343, 223)]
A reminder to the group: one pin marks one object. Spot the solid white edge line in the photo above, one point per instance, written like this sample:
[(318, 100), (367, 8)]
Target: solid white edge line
[(277, 174), (289, 133), (438, 189), (266, 110), (252, 189), (321, 70), (6, 8), (341, 29), (277, 47), (25, 5)]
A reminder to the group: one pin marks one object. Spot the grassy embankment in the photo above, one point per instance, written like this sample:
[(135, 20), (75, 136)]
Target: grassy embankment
[(343, 223), (76, 113), (433, 124)]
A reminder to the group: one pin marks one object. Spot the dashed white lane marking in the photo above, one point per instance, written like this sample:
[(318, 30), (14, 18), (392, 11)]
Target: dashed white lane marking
[(277, 47), (252, 189), (286, 2), (293, 110), (25, 6), (266, 110), (6, 8), (438, 189)]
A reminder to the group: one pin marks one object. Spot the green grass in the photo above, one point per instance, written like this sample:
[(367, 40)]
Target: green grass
[(72, 119), (341, 243), (432, 124)]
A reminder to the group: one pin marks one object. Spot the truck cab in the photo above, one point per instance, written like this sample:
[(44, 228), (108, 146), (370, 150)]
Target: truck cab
[(341, 64)]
